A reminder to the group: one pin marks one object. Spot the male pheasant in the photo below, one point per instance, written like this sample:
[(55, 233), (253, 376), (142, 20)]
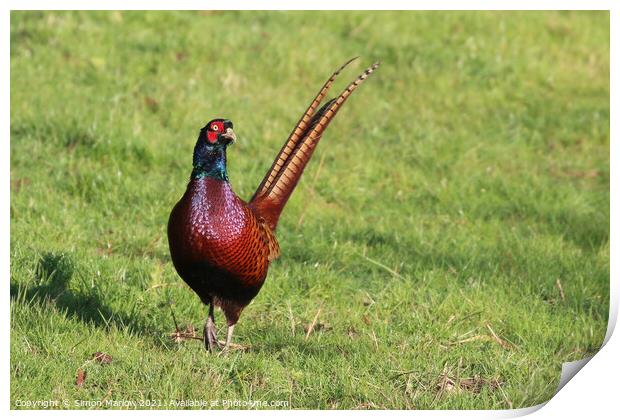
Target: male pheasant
[(220, 245)]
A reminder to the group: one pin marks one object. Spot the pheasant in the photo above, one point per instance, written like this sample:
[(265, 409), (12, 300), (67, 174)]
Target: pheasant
[(220, 245)]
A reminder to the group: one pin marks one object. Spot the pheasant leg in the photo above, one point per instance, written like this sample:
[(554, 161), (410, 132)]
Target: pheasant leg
[(210, 334), (229, 335)]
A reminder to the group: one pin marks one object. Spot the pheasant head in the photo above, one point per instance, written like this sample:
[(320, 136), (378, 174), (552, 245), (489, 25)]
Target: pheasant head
[(210, 149)]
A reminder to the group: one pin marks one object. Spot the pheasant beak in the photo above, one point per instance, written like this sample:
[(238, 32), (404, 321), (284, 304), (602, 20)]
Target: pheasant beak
[(229, 135)]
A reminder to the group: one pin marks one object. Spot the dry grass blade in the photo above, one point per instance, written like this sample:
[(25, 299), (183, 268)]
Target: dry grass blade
[(505, 344), (311, 327), (508, 401), (161, 285), (369, 406), (188, 334), (103, 358), (374, 339), (467, 340), (378, 264), (559, 286)]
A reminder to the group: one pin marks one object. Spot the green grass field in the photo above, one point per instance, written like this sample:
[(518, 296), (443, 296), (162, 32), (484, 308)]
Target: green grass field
[(451, 232)]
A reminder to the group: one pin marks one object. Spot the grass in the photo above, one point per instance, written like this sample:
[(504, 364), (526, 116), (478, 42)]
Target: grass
[(451, 233)]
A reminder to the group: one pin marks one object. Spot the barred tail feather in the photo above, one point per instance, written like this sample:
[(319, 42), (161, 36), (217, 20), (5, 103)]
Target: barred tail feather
[(298, 132), (275, 193)]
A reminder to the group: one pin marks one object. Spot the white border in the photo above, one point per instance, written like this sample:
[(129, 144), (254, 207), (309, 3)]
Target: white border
[(594, 391), (313, 5)]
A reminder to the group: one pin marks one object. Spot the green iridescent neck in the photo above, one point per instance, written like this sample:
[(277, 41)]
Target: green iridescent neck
[(220, 174), (210, 161)]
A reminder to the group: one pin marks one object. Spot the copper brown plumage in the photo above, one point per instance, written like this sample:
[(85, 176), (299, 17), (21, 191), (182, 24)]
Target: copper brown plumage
[(220, 245)]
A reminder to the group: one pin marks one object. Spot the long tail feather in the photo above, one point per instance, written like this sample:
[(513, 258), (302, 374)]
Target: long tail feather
[(297, 134), (272, 198)]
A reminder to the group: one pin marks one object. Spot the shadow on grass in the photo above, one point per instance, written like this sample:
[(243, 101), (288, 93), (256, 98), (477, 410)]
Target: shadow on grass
[(54, 271)]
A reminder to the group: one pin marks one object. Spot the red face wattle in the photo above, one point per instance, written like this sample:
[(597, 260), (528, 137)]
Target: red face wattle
[(214, 130)]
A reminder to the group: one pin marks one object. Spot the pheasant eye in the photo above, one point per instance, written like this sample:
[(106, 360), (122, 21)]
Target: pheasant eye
[(215, 127)]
